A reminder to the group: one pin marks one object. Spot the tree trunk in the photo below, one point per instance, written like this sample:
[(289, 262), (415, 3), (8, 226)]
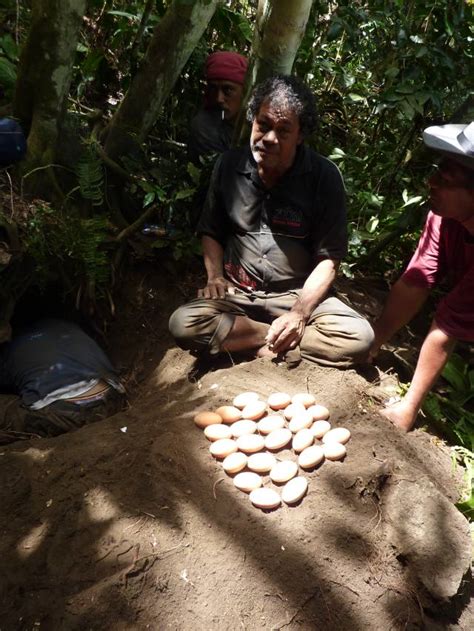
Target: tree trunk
[(174, 39), (279, 30), (44, 77)]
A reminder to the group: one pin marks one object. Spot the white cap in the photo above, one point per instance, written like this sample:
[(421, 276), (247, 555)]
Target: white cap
[(456, 140)]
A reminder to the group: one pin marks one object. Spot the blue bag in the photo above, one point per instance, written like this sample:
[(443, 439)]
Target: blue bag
[(12, 142)]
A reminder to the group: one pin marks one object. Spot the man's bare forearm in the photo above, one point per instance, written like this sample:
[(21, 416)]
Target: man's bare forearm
[(316, 287), (213, 254), (434, 354), (403, 303)]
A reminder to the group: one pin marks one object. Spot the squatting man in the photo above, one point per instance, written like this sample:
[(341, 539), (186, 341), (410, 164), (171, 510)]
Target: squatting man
[(273, 233), (445, 252)]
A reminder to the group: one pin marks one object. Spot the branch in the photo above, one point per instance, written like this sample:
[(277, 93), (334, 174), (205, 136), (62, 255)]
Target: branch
[(113, 166), (133, 227)]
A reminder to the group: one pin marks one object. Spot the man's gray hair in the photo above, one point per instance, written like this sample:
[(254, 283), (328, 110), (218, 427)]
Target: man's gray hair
[(290, 92)]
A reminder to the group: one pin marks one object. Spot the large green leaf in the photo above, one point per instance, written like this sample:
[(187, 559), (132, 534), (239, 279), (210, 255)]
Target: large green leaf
[(7, 73)]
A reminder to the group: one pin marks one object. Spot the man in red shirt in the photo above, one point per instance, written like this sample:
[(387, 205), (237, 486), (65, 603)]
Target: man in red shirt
[(445, 252)]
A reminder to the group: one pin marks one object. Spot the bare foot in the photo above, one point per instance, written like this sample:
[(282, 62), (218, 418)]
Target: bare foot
[(264, 351), (401, 414)]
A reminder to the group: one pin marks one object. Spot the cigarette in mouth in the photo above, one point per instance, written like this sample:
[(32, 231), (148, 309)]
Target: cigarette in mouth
[(222, 114)]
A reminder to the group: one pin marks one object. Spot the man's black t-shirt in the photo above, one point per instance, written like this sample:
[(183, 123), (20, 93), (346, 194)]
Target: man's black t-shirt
[(273, 238)]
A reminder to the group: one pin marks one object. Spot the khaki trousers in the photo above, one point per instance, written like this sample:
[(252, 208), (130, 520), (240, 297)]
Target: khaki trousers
[(335, 334)]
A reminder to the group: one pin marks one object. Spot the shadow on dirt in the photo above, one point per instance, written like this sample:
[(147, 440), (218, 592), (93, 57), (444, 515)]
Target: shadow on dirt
[(128, 523)]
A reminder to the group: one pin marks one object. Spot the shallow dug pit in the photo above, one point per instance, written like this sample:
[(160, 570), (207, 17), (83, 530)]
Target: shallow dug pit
[(131, 523)]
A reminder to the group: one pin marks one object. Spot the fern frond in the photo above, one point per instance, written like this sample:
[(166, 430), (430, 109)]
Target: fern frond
[(90, 174)]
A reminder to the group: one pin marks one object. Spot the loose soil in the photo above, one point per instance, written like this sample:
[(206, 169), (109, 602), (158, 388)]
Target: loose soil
[(131, 524)]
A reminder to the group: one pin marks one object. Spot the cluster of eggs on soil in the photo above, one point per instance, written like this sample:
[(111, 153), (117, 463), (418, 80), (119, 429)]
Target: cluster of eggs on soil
[(247, 435)]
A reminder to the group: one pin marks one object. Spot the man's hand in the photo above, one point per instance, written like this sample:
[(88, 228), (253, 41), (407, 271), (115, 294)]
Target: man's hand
[(216, 288), (286, 332)]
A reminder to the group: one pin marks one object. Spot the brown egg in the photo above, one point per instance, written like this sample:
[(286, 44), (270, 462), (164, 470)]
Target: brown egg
[(240, 428), (283, 471), (261, 463), (278, 438), (270, 423), (304, 398), (334, 451), (217, 431), (294, 490), (203, 419), (223, 447), (229, 413), (319, 428), (301, 420), (254, 410), (278, 400), (310, 457), (250, 443), (247, 481), (337, 435), (292, 409), (302, 439), (244, 398), (233, 463), (265, 498)]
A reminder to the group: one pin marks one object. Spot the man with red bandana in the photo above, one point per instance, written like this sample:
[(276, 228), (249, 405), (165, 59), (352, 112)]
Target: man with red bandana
[(212, 128), (445, 252)]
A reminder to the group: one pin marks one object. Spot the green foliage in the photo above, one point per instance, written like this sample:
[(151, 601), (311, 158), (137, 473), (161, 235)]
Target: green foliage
[(68, 248), (90, 174), (176, 207), (465, 457), (8, 59), (451, 406), (371, 66)]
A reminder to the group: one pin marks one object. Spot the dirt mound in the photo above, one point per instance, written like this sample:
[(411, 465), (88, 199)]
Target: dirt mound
[(131, 524)]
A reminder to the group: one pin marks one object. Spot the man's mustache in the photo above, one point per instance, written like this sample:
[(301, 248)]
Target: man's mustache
[(259, 147)]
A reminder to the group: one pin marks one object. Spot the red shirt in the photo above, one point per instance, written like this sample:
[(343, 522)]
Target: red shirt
[(446, 252)]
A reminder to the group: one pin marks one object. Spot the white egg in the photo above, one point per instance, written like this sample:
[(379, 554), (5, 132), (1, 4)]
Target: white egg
[(229, 413), (302, 439), (294, 490), (319, 412), (311, 456), (265, 498), (283, 471), (334, 451), (254, 410), (250, 443), (247, 481), (292, 409), (223, 447), (235, 462), (337, 435), (278, 438), (240, 428), (203, 419), (278, 400), (304, 398), (301, 420), (241, 400), (216, 432), (270, 423), (261, 463), (319, 428)]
